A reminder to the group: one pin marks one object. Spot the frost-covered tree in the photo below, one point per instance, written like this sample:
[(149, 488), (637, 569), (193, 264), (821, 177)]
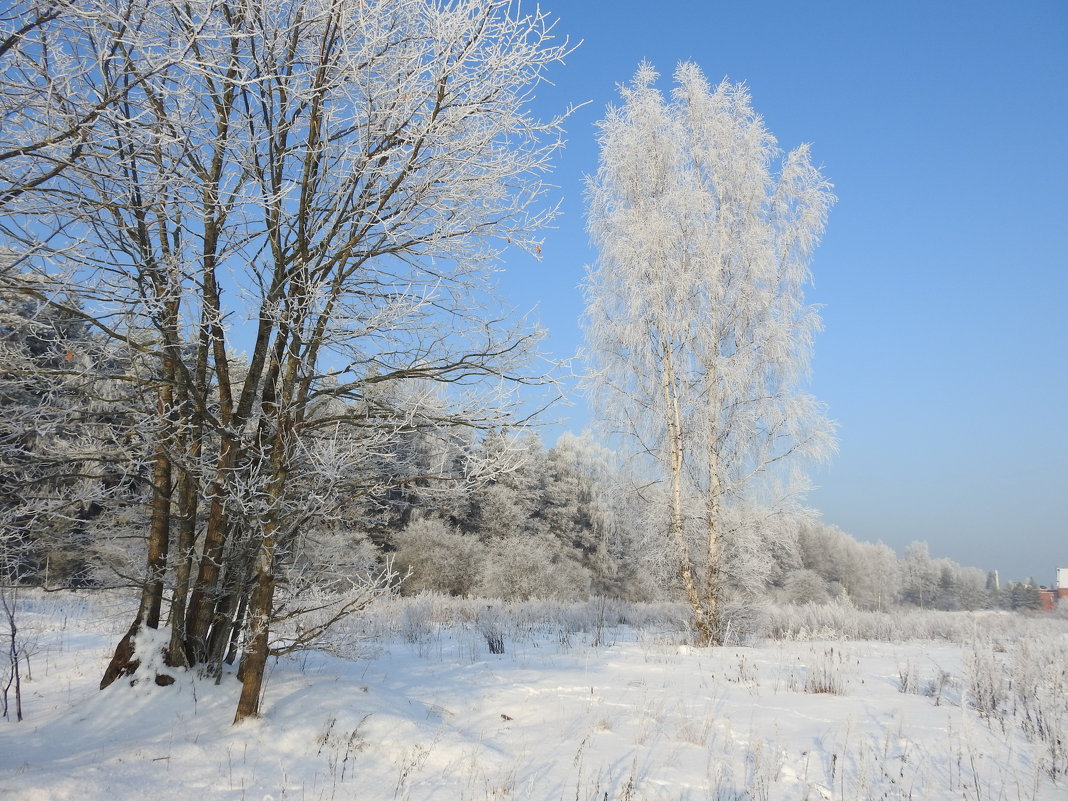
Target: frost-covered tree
[(696, 323), (324, 185), (589, 505), (921, 575), (55, 85), (969, 590), (1023, 596), (564, 506), (869, 574), (69, 447)]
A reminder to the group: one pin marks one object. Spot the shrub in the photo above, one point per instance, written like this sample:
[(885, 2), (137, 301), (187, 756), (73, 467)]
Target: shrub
[(439, 559), (520, 568), (805, 587)]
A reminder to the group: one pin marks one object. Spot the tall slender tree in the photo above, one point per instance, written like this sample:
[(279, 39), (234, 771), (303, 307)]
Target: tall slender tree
[(696, 323)]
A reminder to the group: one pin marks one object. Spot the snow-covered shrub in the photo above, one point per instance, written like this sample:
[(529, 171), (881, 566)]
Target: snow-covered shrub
[(805, 587), (437, 558), (986, 680), (492, 625), (838, 620), (519, 568), (908, 681), (742, 621), (416, 619)]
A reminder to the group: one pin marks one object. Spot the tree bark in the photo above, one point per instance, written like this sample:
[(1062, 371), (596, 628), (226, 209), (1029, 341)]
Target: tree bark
[(160, 528), (257, 647), (677, 526), (202, 599), (124, 661), (714, 551)]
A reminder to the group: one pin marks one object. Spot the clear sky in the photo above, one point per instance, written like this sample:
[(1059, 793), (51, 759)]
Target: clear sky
[(943, 274)]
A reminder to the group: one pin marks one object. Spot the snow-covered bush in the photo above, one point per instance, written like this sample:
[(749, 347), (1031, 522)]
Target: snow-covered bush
[(742, 621), (519, 568), (437, 558), (805, 587)]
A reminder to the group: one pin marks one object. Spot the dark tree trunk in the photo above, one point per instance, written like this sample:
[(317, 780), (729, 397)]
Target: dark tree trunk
[(229, 609), (158, 538), (187, 520), (254, 661), (122, 661), (202, 600)]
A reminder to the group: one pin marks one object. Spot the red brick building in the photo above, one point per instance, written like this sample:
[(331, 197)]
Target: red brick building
[(1050, 598)]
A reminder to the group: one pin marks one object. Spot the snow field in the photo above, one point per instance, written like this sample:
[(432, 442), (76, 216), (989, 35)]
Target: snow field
[(412, 705)]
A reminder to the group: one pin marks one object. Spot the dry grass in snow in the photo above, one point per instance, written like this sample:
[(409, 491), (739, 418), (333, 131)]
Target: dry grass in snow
[(411, 704)]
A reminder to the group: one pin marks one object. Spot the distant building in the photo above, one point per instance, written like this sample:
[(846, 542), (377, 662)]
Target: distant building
[(1050, 598), (1047, 599)]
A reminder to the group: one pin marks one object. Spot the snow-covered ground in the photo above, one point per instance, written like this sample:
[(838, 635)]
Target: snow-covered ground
[(575, 708)]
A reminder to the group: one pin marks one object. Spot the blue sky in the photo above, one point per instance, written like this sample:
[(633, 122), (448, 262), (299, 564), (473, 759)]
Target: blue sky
[(943, 274)]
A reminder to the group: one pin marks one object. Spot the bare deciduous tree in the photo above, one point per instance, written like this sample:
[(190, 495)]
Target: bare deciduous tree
[(326, 185)]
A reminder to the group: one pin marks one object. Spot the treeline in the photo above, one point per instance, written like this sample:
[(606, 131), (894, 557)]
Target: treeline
[(563, 524), (496, 515)]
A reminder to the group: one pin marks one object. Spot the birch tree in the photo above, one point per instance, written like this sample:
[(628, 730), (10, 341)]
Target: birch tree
[(696, 324), (325, 185)]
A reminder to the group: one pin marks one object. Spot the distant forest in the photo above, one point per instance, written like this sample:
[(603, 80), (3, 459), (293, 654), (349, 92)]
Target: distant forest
[(564, 522)]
